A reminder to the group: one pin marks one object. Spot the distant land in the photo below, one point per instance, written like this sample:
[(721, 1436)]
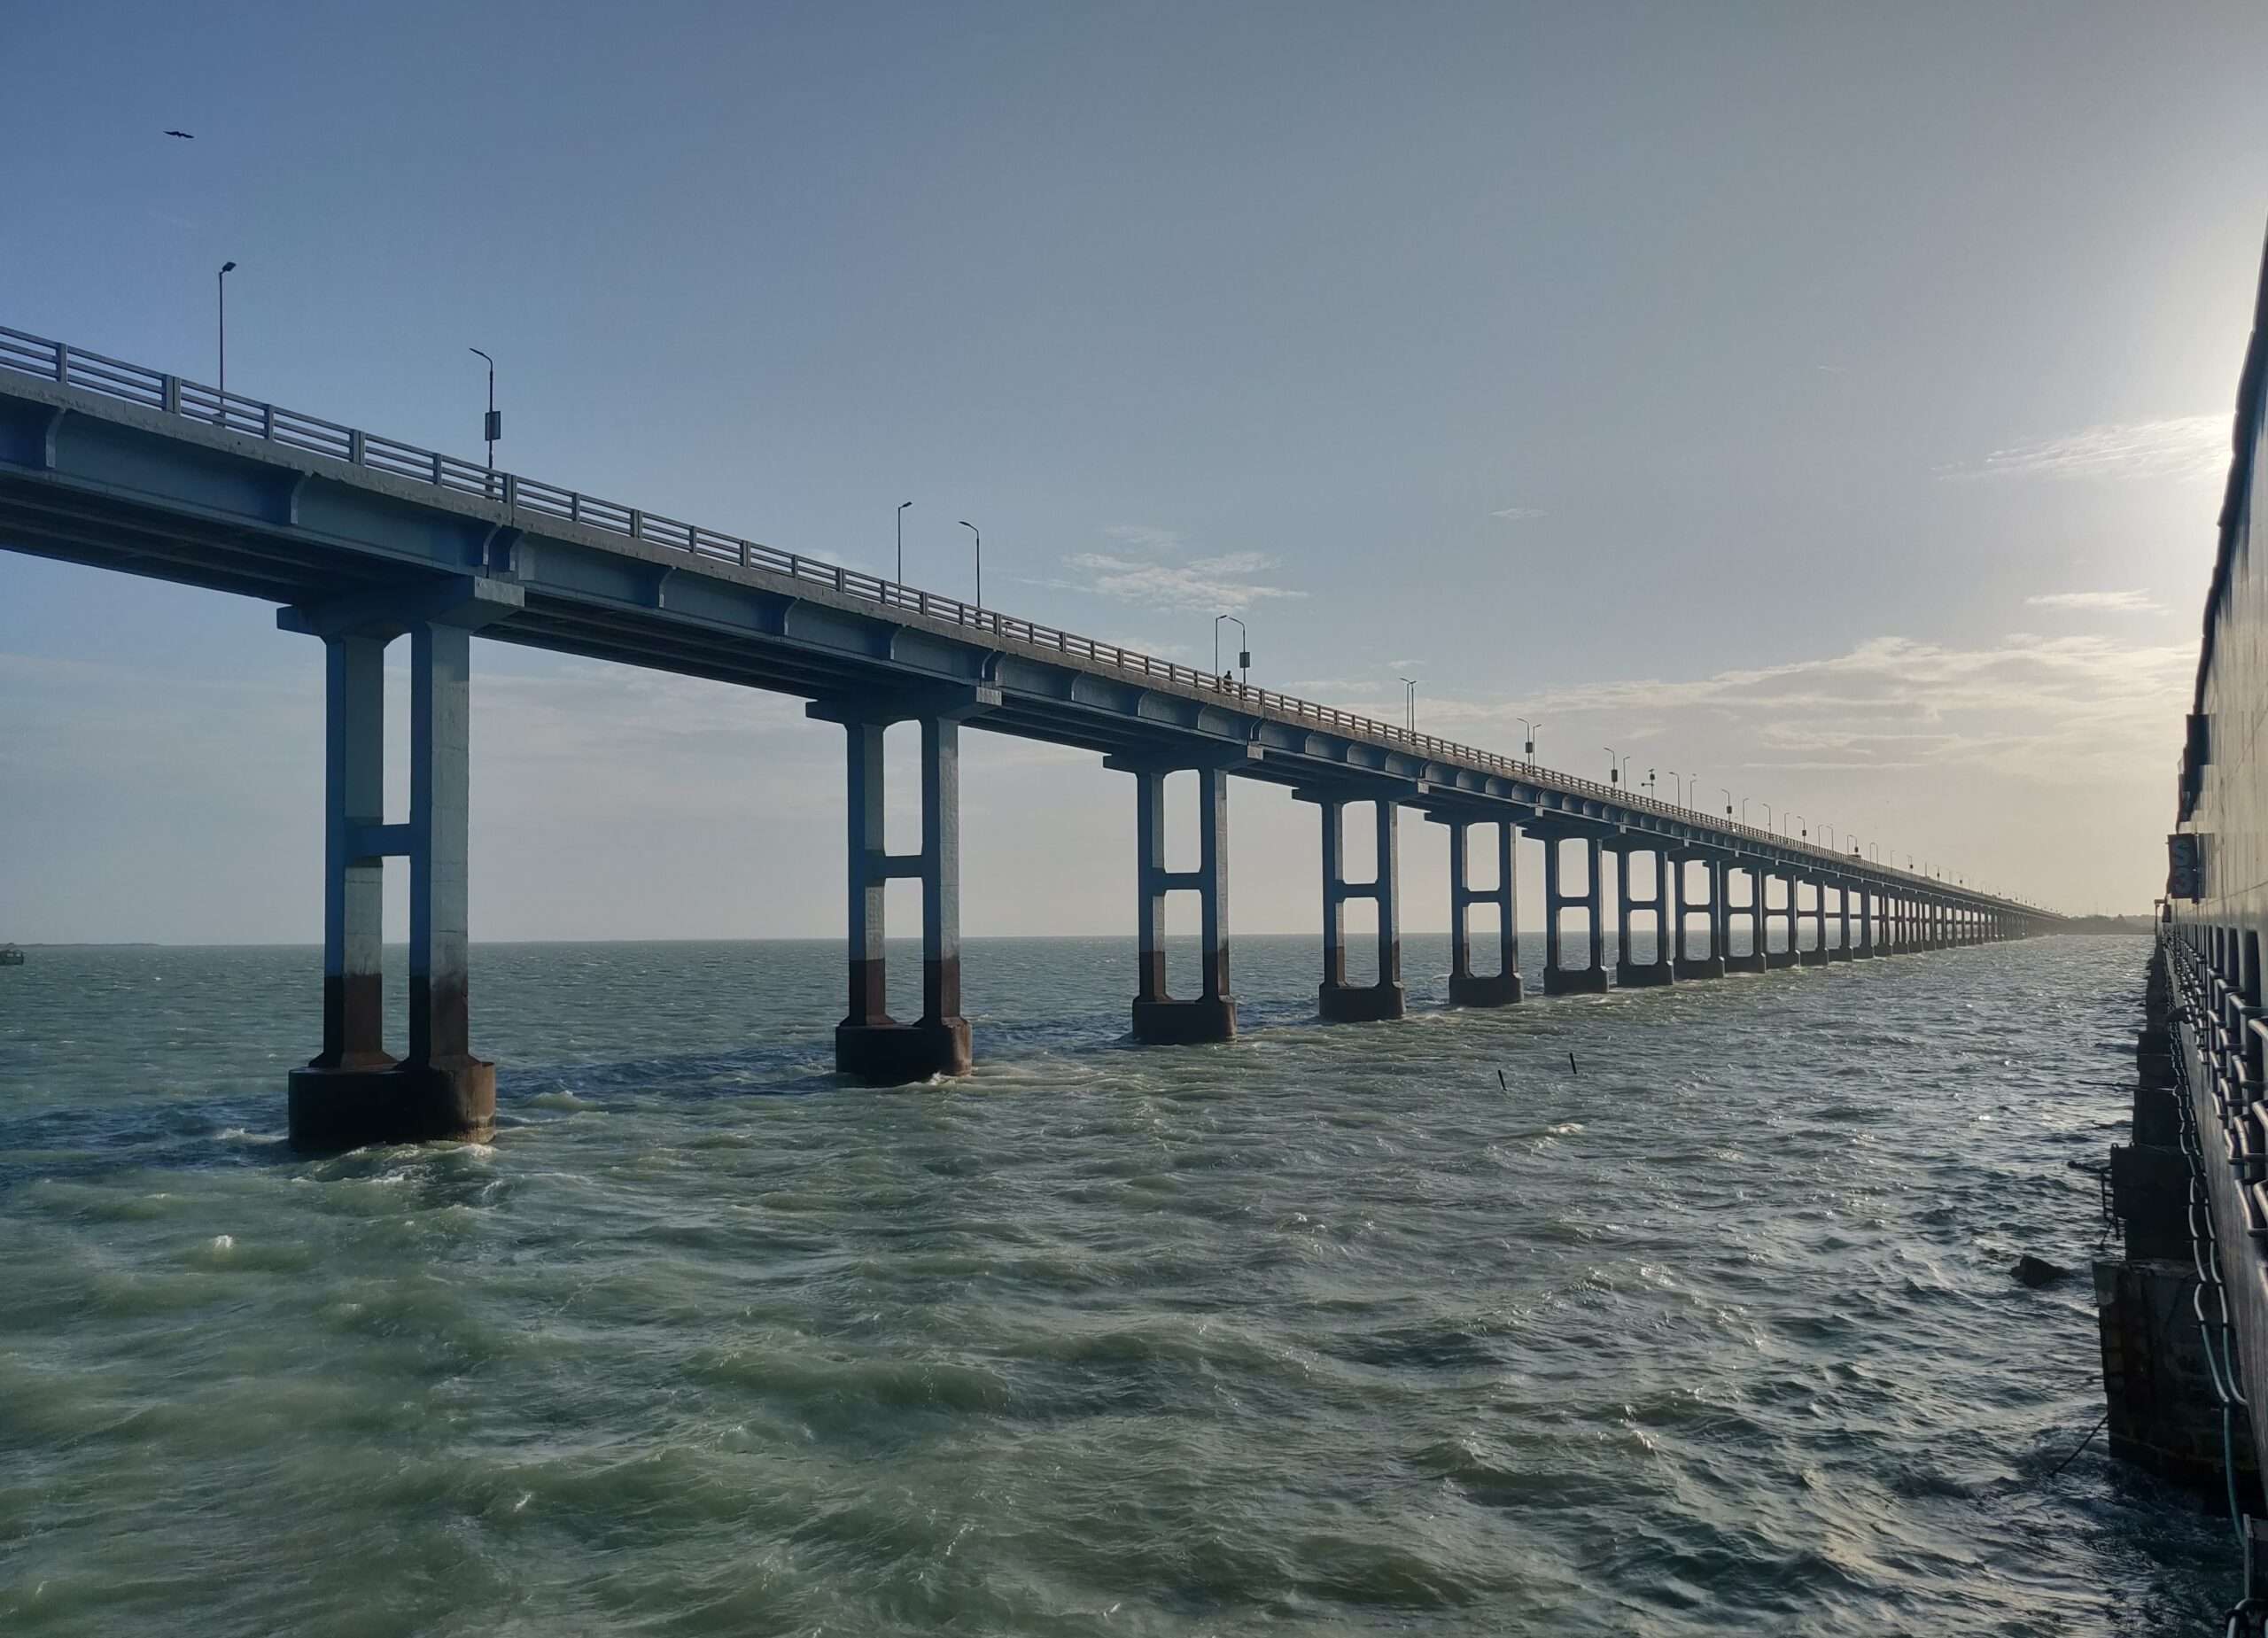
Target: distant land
[(2109, 924)]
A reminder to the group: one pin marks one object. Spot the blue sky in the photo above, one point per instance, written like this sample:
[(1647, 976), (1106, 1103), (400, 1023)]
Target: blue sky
[(1829, 402)]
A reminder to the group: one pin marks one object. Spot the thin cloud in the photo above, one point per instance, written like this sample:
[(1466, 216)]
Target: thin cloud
[(1519, 513), (2140, 602), (1223, 582), (2181, 446)]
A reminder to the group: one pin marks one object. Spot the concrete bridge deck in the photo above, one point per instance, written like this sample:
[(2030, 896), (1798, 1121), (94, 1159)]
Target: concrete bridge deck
[(362, 538)]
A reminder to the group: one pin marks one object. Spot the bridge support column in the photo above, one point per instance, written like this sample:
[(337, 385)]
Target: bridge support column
[(1786, 956), (1564, 980), (1159, 1018), (870, 1045), (1467, 988), (1630, 974), (354, 1093), (1843, 951), (1754, 961), (1339, 1001), (1866, 952), (1712, 963), (1816, 956)]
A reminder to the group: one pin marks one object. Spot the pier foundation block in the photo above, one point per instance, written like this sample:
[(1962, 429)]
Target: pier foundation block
[(893, 1054), (1575, 981), (337, 1109), (1484, 989), (1194, 1022), (1358, 1004), (1776, 958), (1704, 967), (1812, 958), (1641, 975), (1753, 962)]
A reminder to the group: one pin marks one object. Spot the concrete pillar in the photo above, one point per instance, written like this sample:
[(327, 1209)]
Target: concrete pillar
[(1558, 980), (1467, 988), (1629, 972), (869, 1044), (1817, 954), (1866, 952), (1788, 955), (353, 1093), (354, 721), (1159, 1018), (1754, 961), (1339, 1002), (1711, 962)]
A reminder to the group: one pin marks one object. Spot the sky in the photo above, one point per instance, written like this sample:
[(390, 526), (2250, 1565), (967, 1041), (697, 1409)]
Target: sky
[(1827, 404)]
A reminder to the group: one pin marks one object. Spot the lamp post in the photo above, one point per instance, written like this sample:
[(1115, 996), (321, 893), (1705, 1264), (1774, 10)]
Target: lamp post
[(1729, 799), (492, 424), (1785, 818), (1677, 789), (222, 280), (1244, 646), (1828, 831), (1410, 704), (1767, 812), (1528, 743), (979, 534), (1613, 765), (901, 541), (1649, 784)]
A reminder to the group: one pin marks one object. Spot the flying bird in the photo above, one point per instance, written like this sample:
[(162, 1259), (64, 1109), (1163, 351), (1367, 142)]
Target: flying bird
[(187, 137)]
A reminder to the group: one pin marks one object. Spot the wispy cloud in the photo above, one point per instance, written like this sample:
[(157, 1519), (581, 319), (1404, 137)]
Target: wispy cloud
[(1519, 513), (2140, 602), (2046, 706), (1160, 578), (2181, 446)]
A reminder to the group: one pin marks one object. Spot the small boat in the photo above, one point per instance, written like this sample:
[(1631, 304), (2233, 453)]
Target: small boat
[(11, 955)]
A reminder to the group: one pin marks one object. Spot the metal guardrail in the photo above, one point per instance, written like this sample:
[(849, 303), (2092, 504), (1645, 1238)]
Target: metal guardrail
[(73, 367)]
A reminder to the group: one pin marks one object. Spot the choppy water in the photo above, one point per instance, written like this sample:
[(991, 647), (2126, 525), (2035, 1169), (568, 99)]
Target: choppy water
[(1323, 1331)]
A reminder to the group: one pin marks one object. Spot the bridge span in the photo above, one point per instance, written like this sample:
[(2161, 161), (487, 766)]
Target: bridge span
[(363, 539)]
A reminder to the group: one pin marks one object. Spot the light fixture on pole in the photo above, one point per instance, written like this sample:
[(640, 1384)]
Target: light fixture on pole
[(1244, 646), (1409, 705), (226, 268), (1613, 765), (492, 424), (979, 534), (1528, 743), (901, 541), (1729, 799)]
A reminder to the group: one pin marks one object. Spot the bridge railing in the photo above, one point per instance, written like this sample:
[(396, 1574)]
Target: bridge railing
[(207, 406)]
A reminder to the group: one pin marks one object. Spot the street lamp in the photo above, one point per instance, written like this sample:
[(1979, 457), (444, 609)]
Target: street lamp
[(1650, 783), (1528, 730), (979, 534), (1828, 831), (492, 424), (1677, 787), (1410, 704), (1729, 799), (1613, 765), (1244, 646), (901, 541), (221, 279), (1767, 811)]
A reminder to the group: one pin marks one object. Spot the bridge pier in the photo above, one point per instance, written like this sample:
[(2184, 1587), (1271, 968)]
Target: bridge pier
[(1628, 973), (870, 1045), (1754, 961), (1842, 951), (1564, 981), (1866, 952), (1160, 1018), (1339, 1001), (1713, 869), (1774, 960), (1502, 988), (354, 1093), (1816, 956)]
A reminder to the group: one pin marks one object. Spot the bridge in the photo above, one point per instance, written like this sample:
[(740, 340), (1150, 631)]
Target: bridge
[(363, 539)]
